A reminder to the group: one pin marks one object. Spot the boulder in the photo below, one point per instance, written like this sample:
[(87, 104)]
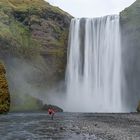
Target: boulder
[(56, 108)]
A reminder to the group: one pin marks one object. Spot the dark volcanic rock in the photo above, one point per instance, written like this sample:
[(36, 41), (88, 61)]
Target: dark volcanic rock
[(56, 108)]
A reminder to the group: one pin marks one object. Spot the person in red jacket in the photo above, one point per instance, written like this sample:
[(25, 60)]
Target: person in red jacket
[(51, 112)]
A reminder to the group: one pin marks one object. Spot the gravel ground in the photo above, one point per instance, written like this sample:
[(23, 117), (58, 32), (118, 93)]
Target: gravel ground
[(69, 126)]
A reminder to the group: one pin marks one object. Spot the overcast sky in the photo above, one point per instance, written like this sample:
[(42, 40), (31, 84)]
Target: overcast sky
[(91, 8)]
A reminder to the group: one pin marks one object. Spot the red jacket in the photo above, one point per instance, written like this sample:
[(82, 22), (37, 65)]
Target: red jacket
[(51, 111)]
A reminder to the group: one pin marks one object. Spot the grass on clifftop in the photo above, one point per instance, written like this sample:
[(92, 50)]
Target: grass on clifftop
[(29, 6)]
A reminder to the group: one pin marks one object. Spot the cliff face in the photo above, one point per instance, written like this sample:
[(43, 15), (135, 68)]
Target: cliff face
[(4, 92), (130, 27), (33, 29), (33, 43)]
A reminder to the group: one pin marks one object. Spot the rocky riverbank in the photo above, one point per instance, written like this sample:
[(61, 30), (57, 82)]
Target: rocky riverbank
[(70, 126)]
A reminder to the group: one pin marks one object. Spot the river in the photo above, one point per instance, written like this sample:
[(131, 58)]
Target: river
[(69, 126)]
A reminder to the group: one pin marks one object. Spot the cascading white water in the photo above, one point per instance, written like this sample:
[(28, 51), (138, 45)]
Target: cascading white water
[(93, 76)]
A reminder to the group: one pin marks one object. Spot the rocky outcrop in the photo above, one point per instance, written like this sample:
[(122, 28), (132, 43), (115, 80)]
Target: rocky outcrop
[(55, 108), (33, 44), (4, 92), (130, 27)]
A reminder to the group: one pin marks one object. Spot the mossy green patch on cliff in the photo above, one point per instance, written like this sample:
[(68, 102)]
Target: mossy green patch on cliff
[(4, 92), (17, 38), (25, 103), (23, 43), (131, 16)]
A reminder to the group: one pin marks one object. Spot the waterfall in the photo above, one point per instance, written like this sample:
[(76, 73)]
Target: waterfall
[(93, 75)]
